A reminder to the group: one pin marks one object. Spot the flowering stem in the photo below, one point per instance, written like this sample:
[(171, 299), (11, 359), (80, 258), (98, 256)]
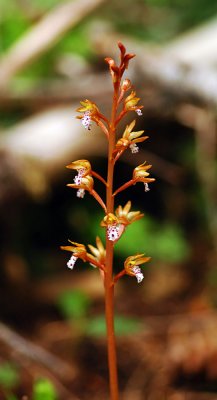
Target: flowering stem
[(95, 263), (115, 223), (98, 176), (125, 186), (118, 155), (103, 127), (99, 199), (109, 287), (121, 96), (120, 116), (119, 275)]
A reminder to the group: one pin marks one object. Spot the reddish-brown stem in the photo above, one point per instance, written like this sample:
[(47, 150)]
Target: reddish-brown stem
[(125, 186), (120, 116), (99, 199), (118, 155), (109, 287), (95, 263), (119, 275), (121, 96), (103, 127), (102, 116), (96, 175)]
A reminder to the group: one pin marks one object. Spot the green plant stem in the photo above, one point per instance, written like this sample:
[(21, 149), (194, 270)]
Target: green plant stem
[(109, 287)]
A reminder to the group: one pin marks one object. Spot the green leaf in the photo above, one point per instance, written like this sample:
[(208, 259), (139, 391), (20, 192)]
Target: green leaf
[(123, 326), (171, 246), (74, 304), (164, 242), (11, 396), (8, 376), (44, 390)]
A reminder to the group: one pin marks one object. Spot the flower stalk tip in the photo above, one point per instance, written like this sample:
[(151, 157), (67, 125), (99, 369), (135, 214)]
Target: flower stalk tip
[(115, 70)]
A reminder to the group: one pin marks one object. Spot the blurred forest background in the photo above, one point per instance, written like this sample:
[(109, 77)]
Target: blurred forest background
[(52, 334)]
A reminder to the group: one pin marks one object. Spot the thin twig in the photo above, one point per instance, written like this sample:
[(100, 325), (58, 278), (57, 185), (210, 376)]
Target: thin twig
[(43, 35)]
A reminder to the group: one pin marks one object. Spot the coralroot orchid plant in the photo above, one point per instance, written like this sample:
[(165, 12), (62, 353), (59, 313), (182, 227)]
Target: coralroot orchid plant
[(115, 221)]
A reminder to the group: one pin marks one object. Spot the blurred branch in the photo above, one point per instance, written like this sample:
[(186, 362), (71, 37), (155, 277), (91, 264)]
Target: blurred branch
[(43, 35), (196, 82), (36, 353), (197, 46), (35, 151), (58, 90)]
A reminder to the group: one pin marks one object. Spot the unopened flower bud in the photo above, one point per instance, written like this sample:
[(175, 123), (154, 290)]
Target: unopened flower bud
[(126, 85), (131, 101)]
